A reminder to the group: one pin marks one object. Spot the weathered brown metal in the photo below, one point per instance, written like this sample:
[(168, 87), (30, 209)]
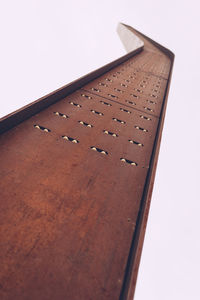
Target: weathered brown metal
[(76, 181)]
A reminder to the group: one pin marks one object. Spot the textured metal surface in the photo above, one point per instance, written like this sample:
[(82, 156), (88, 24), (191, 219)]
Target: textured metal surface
[(72, 180), (132, 87)]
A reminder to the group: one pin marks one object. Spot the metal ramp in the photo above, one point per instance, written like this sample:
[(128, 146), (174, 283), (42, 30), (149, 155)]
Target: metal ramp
[(77, 170)]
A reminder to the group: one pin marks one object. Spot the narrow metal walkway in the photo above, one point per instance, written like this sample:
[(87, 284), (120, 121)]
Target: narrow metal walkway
[(76, 179)]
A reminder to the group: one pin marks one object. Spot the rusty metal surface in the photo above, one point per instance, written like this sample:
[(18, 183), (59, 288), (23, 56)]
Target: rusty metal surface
[(72, 180)]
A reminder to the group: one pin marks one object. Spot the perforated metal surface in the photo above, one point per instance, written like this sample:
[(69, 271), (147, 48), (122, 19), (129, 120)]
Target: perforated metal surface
[(73, 177), (132, 87)]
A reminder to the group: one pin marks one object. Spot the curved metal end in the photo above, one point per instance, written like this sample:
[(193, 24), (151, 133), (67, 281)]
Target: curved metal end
[(130, 40), (133, 39)]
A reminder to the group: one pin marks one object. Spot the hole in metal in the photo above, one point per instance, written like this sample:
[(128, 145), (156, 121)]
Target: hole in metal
[(86, 96), (106, 103), (96, 112), (96, 90), (120, 121), (70, 139), (140, 128), (152, 102), (133, 95), (110, 133), (113, 96), (61, 115), (99, 150), (130, 102), (130, 162), (136, 143), (86, 124), (42, 128), (146, 118), (75, 104), (103, 84), (118, 90), (147, 108), (154, 96), (124, 85), (138, 90), (125, 110)]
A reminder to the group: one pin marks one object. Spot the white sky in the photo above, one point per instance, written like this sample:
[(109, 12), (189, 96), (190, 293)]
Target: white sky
[(46, 44)]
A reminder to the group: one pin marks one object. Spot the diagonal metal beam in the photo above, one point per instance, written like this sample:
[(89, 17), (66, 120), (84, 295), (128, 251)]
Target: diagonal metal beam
[(77, 173)]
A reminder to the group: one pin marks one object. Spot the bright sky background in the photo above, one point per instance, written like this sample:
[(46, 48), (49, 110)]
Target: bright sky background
[(46, 44)]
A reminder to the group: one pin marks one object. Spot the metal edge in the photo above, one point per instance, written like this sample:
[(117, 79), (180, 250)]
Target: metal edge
[(130, 279), (165, 50), (29, 110), (129, 39)]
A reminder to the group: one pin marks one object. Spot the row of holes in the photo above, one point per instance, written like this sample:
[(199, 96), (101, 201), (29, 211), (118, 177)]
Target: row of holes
[(144, 81), (140, 91), (65, 137), (108, 104), (130, 162), (101, 114), (141, 84), (136, 96), (116, 89), (89, 125), (130, 76), (130, 64), (133, 95), (116, 76)]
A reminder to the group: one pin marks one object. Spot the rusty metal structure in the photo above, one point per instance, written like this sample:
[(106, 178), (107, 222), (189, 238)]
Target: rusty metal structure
[(77, 170)]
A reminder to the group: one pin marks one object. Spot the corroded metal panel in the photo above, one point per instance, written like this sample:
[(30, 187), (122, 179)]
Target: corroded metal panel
[(73, 184)]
